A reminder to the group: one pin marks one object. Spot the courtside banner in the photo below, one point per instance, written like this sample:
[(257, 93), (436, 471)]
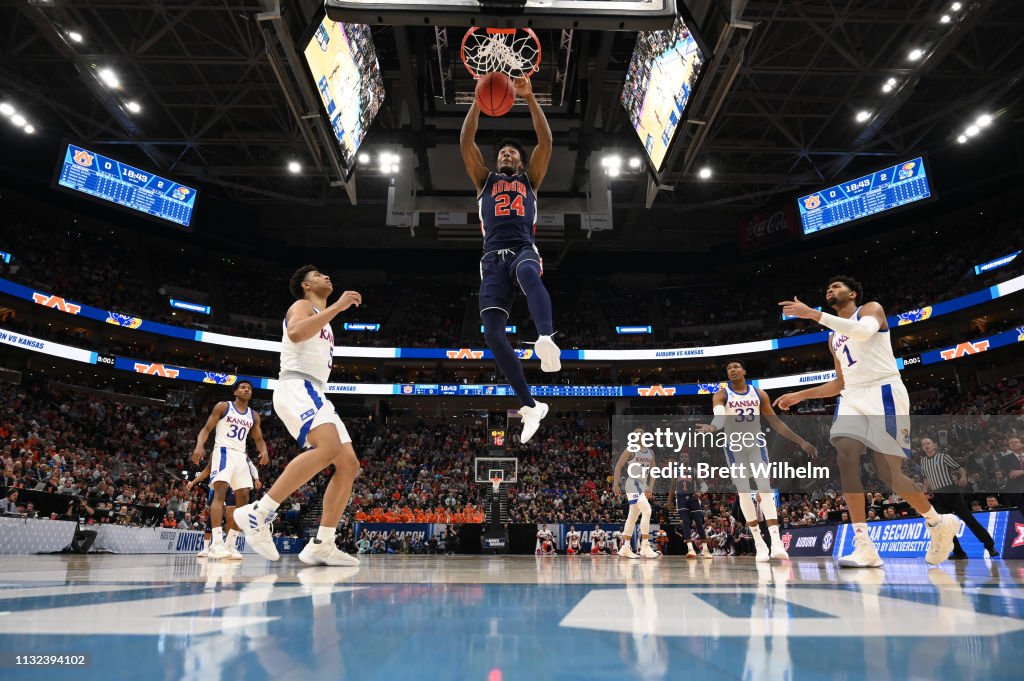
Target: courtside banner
[(909, 538), (809, 541), (1014, 545), (414, 531), (480, 354), (28, 536)]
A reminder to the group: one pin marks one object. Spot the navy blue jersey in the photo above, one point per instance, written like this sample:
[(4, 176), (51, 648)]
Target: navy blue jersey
[(508, 211)]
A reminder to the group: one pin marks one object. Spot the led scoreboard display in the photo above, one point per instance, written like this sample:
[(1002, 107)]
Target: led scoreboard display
[(119, 183), (880, 191)]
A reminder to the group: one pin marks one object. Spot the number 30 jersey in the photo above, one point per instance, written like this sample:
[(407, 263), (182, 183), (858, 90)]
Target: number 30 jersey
[(742, 410), (508, 211), (869, 362), (233, 429)]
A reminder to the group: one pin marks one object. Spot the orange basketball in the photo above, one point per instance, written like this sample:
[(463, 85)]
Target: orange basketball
[(495, 94)]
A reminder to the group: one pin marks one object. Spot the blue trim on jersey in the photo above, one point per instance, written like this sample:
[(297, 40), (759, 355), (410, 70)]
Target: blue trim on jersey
[(303, 432), (889, 409), (311, 391), (223, 459), (835, 416), (729, 456), (730, 389), (764, 455)]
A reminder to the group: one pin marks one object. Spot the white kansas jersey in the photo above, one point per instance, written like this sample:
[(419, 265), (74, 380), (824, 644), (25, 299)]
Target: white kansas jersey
[(869, 362), (313, 357), (233, 429), (645, 459), (742, 410)]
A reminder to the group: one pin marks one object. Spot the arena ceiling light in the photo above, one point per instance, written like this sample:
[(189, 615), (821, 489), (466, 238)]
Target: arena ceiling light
[(109, 78), (294, 167), (75, 36), (634, 162), (6, 109), (915, 54), (133, 106), (364, 157), (889, 85), (611, 161), (863, 116), (955, 6), (962, 139), (983, 121), (972, 130), (704, 173), (19, 120), (29, 129)]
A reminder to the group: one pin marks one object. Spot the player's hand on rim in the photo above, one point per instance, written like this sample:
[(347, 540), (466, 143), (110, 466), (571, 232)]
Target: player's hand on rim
[(794, 308), (522, 86)]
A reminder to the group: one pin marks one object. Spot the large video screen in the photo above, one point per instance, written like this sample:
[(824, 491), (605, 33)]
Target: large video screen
[(119, 183), (882, 190), (659, 82), (343, 62)]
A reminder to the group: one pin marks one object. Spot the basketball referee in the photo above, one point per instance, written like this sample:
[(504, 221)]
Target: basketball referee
[(945, 478)]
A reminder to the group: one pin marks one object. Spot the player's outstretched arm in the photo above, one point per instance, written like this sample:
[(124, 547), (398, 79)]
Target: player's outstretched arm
[(718, 407), (216, 415), (780, 427), (541, 156), (830, 389), (203, 475), (257, 437), (303, 322), (471, 155), (618, 469)]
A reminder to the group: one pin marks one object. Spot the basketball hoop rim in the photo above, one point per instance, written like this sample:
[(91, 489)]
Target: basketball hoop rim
[(506, 31)]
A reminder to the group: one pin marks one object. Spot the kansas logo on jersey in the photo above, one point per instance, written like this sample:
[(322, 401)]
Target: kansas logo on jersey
[(56, 302), (83, 157), (811, 202), (156, 370), (219, 379), (912, 316), (907, 170), (123, 320), (709, 388), (656, 391), (465, 353)]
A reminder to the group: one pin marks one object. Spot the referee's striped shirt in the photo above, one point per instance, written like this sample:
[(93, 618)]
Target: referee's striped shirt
[(938, 470)]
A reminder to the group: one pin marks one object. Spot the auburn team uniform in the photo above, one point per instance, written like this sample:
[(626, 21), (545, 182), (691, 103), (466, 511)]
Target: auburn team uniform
[(299, 398), (229, 461), (874, 407), (743, 415), (508, 219)]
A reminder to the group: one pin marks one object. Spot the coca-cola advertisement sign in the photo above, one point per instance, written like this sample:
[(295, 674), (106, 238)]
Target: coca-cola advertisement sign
[(768, 226)]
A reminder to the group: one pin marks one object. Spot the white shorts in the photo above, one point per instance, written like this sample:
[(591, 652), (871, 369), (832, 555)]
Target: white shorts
[(877, 415), (230, 466), (634, 488), (749, 456), (302, 406)]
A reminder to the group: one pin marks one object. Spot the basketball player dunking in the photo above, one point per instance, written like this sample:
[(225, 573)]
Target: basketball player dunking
[(230, 468), (738, 408), (873, 412), (307, 356), (508, 219)]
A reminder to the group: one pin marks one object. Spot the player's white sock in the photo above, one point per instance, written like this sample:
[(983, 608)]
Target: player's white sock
[(860, 528), (932, 517), (627, 531), (233, 539), (266, 506), (326, 534), (747, 507), (773, 532), (206, 544), (755, 533), (645, 515), (768, 505), (217, 535)]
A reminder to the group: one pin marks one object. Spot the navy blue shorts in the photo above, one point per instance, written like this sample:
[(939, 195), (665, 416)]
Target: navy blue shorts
[(499, 276), (688, 502)]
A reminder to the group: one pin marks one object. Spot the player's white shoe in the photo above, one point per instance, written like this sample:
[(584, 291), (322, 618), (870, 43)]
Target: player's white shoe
[(206, 549), (531, 420), (218, 551), (549, 354), (647, 552), (627, 552), (942, 539), (864, 555), (233, 553), (762, 553), (257, 531), (691, 553), (779, 551), (324, 553), (705, 552)]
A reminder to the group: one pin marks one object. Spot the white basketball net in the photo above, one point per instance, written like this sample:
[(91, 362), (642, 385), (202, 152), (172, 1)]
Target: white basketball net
[(514, 54)]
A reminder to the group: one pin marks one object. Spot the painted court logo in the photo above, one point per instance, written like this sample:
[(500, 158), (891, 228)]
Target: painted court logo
[(656, 391), (56, 302), (465, 353), (156, 370), (962, 349)]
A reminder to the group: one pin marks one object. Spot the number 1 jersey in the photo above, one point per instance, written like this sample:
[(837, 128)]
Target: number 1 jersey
[(508, 211)]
